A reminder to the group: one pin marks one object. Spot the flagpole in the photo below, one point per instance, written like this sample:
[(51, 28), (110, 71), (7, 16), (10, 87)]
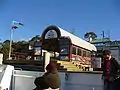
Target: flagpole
[(10, 44)]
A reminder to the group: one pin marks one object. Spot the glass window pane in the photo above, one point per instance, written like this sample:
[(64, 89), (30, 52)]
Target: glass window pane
[(64, 49), (79, 52), (74, 50), (84, 53)]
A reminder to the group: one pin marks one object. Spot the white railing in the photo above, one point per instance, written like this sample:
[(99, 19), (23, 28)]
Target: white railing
[(24, 80), (6, 78)]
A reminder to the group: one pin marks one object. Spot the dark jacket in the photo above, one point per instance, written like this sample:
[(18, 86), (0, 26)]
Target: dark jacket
[(51, 79), (114, 69)]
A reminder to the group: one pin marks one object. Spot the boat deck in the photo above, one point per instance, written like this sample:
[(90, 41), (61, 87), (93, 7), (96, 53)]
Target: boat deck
[(24, 80)]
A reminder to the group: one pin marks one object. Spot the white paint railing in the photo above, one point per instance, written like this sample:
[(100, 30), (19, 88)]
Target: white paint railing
[(24, 80), (6, 78), (69, 81)]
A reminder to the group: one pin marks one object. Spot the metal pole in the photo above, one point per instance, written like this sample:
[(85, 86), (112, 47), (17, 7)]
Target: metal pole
[(10, 45), (103, 34)]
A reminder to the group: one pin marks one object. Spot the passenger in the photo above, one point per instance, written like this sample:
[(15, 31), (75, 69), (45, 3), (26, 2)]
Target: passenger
[(50, 79), (110, 70)]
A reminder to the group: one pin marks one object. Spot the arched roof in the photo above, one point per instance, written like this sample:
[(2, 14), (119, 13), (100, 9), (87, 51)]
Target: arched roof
[(78, 41), (74, 39)]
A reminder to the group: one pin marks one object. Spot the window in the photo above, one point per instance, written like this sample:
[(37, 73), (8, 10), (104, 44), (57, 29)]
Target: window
[(74, 50), (88, 54), (79, 52), (64, 49), (37, 51), (84, 53)]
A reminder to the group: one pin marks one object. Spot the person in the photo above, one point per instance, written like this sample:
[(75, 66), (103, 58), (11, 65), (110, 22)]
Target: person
[(110, 70), (50, 79)]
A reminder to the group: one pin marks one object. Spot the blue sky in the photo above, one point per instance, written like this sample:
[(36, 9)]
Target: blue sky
[(78, 15)]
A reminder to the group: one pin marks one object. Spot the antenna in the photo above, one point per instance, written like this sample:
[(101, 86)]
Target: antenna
[(109, 34), (103, 34)]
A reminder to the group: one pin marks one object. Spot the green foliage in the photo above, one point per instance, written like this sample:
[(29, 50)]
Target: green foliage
[(90, 35), (22, 42), (20, 47), (32, 41), (6, 42), (4, 48)]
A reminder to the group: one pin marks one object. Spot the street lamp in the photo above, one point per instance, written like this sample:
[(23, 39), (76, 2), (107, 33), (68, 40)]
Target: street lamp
[(10, 45), (15, 25)]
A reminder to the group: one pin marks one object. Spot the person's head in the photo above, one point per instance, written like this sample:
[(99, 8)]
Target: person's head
[(51, 67), (107, 54)]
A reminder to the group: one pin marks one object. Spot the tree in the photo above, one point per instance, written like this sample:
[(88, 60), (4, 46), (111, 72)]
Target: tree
[(4, 48), (35, 38), (6, 42), (22, 42), (20, 47), (17, 48), (90, 36)]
